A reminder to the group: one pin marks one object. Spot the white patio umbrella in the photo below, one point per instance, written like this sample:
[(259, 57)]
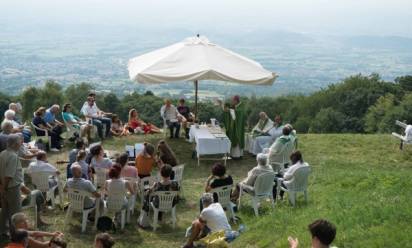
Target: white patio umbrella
[(195, 59)]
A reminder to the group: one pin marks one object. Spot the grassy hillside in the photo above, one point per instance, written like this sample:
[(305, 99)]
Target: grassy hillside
[(362, 183)]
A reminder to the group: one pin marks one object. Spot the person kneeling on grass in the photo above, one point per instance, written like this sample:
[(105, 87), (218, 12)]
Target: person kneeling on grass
[(36, 238), (212, 219), (323, 233)]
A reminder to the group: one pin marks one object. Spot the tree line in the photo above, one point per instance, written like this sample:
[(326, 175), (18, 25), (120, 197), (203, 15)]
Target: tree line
[(358, 104)]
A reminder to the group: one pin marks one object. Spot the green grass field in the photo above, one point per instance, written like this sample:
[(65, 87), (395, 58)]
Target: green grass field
[(362, 183)]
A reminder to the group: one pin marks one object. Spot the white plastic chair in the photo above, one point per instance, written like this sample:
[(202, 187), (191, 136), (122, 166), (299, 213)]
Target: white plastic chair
[(299, 183), (223, 196), (100, 177), (115, 204), (284, 157), (45, 136), (262, 189), (179, 175), (33, 205), (76, 204), (145, 183), (41, 181), (132, 198), (165, 205)]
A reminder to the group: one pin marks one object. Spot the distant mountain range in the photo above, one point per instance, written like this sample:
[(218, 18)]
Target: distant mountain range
[(304, 62)]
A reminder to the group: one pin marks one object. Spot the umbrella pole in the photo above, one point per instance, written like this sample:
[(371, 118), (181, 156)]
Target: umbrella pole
[(196, 89)]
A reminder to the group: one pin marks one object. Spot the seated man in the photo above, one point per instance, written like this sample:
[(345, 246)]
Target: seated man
[(277, 150), (97, 117), (212, 219), (185, 112), (262, 167), (172, 118), (323, 233), (261, 129), (36, 238), (79, 183), (6, 127), (51, 121), (264, 141), (42, 165)]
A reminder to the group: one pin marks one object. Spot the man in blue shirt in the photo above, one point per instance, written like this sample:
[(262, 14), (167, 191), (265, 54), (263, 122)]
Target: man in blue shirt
[(50, 119)]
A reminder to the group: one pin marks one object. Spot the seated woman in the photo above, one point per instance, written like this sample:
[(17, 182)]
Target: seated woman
[(165, 184), (10, 115), (288, 176), (145, 161), (165, 155), (83, 129), (218, 178), (98, 158), (127, 171), (118, 129), (117, 184), (39, 122), (136, 125)]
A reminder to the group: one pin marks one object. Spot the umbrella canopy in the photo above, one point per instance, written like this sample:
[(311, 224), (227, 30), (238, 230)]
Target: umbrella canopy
[(195, 59)]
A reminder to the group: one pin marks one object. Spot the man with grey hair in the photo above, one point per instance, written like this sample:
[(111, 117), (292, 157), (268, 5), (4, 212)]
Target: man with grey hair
[(11, 179), (51, 121), (20, 221), (212, 219), (79, 183), (262, 167), (7, 128)]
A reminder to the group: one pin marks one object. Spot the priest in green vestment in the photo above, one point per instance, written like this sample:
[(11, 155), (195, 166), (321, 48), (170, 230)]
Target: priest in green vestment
[(234, 119)]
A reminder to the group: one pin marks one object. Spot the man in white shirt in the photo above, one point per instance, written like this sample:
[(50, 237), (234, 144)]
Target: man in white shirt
[(172, 118), (93, 113), (41, 165), (212, 219)]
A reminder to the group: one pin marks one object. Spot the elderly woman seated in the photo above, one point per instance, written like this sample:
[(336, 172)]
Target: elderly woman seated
[(10, 115), (263, 137), (262, 167), (117, 184)]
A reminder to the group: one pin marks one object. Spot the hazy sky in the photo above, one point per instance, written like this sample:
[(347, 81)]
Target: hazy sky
[(365, 17)]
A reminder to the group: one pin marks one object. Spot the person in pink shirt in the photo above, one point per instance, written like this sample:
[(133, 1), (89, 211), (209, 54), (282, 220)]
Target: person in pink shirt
[(127, 171)]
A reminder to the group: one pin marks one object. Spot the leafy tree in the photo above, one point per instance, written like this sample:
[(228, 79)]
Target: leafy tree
[(76, 94), (405, 82), (328, 120)]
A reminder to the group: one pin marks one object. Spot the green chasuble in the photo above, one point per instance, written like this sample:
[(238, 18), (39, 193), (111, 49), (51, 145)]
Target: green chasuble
[(239, 132), (235, 129)]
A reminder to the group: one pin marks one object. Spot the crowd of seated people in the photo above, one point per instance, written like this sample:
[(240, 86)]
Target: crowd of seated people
[(84, 161)]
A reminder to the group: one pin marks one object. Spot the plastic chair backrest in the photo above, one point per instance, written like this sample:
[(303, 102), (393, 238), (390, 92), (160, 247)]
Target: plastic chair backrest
[(101, 176), (76, 199), (116, 198), (165, 199), (179, 173), (39, 129), (264, 184), (41, 180), (223, 194), (300, 179)]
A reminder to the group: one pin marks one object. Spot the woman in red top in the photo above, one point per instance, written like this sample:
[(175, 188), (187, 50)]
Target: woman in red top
[(136, 125)]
